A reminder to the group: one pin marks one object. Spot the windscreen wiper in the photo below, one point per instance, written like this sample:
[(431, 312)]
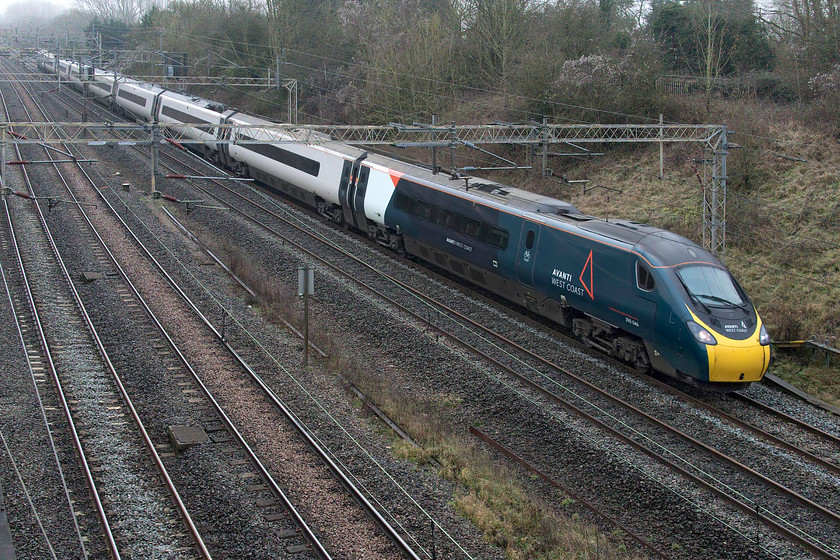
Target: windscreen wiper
[(740, 306)]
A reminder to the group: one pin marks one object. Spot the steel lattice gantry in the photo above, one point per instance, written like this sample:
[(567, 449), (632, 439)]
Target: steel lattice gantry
[(712, 137)]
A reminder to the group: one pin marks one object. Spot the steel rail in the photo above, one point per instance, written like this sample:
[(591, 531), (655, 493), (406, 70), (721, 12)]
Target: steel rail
[(793, 495), (804, 425), (525, 464), (341, 477), (147, 440), (340, 271), (297, 518), (74, 432), (824, 463), (87, 472), (650, 419), (357, 495), (750, 510)]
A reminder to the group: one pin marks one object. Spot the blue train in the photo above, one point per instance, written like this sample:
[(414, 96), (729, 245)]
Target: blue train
[(644, 295)]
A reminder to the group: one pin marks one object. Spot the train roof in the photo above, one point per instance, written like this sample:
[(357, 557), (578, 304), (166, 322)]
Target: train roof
[(476, 187), (142, 85), (196, 100), (672, 249), (665, 247)]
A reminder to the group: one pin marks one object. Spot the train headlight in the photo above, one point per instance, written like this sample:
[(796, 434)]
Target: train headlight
[(763, 337), (701, 334)]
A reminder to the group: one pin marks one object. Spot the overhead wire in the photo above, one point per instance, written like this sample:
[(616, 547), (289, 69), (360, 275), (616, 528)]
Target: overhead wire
[(348, 73)]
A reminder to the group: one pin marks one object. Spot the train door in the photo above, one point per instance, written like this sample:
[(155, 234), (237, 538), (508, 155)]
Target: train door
[(643, 308), (156, 106), (347, 192), (343, 187), (223, 146), (359, 197), (526, 256)]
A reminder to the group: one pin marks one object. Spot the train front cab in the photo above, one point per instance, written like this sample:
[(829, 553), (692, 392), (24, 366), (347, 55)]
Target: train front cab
[(729, 337), (733, 360)]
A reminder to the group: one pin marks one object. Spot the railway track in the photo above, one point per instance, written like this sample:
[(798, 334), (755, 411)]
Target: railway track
[(269, 407), (723, 490), (40, 420), (820, 438), (728, 491), (433, 315), (230, 336), (100, 416)]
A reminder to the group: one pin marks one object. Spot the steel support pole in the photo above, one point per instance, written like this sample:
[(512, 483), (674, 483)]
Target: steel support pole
[(714, 198), (155, 146), (306, 330), (453, 138), (661, 148), (545, 146), (434, 150), (720, 156), (84, 103), (291, 87)]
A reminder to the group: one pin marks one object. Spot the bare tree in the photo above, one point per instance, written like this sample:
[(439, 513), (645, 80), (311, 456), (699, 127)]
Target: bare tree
[(810, 28), (498, 29), (126, 11), (712, 53)]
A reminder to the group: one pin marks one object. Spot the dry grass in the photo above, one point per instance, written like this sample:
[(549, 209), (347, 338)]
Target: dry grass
[(783, 216), (489, 495)]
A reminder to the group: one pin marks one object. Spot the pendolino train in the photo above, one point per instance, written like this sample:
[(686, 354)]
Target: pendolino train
[(645, 295)]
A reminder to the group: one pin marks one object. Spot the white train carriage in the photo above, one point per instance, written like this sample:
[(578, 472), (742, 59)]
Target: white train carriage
[(176, 108), (340, 181), (101, 85), (137, 98), (75, 74), (47, 62), (307, 172), (63, 69)]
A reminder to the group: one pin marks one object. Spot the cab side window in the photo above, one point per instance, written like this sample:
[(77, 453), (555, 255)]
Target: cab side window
[(644, 279), (529, 240)]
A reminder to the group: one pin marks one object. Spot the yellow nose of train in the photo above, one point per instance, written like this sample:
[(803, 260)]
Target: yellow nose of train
[(736, 361)]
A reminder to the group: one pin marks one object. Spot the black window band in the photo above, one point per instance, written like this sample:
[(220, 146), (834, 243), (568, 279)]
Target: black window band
[(132, 97), (299, 162), (181, 116)]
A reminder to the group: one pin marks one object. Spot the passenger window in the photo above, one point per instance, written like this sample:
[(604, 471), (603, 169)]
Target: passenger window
[(402, 202), (446, 218), (529, 241), (422, 209), (497, 237), (644, 279), (471, 227)]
